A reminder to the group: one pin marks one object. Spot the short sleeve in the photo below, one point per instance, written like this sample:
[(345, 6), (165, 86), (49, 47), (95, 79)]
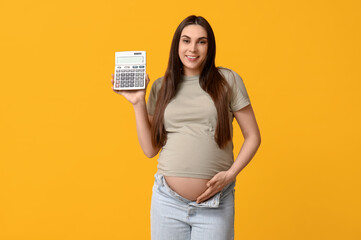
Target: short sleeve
[(239, 97), (153, 95)]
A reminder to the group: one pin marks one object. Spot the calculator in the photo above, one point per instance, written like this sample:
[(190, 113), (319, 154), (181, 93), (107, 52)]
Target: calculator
[(130, 70)]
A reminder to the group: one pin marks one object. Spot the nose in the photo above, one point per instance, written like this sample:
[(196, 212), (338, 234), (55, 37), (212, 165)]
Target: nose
[(193, 47)]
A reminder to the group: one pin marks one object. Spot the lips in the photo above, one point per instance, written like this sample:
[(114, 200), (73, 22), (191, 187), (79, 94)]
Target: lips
[(192, 58)]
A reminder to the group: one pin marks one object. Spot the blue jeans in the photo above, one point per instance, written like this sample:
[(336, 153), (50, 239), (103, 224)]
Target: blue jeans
[(174, 217)]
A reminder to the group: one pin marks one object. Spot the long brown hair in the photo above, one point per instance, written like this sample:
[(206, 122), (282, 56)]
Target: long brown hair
[(210, 80)]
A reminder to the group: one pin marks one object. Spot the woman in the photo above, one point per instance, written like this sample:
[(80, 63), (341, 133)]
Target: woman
[(189, 116)]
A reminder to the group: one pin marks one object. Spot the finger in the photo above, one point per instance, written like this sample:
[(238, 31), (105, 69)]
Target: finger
[(204, 195), (211, 182), (204, 198), (147, 80)]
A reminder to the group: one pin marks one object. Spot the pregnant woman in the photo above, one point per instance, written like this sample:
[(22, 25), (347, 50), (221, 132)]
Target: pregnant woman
[(188, 116)]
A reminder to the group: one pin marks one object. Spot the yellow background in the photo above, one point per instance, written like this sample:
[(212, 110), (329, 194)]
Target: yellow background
[(70, 163)]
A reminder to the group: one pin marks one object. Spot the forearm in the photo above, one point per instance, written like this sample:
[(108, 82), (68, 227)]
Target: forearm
[(245, 155), (143, 129)]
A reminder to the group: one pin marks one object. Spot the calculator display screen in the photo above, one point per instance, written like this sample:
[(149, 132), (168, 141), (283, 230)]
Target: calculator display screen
[(135, 59)]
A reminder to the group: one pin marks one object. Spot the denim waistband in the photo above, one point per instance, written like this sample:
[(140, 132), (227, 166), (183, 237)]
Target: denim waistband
[(212, 202)]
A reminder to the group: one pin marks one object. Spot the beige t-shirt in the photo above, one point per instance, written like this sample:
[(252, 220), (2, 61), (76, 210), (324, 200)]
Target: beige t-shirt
[(190, 120)]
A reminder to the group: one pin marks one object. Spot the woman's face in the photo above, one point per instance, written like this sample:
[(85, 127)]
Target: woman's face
[(192, 51)]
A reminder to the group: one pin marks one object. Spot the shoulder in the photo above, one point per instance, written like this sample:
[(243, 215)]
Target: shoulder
[(229, 75), (224, 71)]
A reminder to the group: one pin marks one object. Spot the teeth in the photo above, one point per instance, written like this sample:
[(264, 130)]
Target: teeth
[(191, 57)]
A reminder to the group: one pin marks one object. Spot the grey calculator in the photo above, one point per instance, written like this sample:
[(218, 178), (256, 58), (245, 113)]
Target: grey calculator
[(130, 70)]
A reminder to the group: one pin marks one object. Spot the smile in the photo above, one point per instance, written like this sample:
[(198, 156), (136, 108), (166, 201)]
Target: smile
[(191, 58)]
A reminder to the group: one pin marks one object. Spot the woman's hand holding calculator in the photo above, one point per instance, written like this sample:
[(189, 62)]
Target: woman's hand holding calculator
[(133, 96)]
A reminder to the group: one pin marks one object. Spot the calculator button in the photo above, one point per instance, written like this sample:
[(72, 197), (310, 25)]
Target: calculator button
[(117, 70), (118, 74), (118, 78), (117, 85), (141, 66), (141, 84)]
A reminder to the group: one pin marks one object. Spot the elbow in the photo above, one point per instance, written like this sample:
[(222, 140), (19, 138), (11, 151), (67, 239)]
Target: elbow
[(256, 139), (151, 153)]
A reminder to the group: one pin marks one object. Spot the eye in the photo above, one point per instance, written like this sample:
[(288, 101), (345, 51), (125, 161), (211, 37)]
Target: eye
[(203, 42), (185, 40)]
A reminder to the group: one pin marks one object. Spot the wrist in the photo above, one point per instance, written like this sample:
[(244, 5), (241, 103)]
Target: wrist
[(139, 103), (231, 174)]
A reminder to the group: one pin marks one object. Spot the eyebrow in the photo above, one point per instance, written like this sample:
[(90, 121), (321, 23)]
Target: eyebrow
[(198, 38)]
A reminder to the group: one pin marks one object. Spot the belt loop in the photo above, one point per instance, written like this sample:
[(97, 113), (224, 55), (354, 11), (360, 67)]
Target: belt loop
[(161, 177), (158, 179)]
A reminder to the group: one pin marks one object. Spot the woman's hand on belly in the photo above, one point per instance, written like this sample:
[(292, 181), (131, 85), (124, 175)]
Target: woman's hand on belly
[(215, 185), (189, 188)]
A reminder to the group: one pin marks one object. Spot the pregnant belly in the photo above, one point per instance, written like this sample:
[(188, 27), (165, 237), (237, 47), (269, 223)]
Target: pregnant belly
[(189, 188)]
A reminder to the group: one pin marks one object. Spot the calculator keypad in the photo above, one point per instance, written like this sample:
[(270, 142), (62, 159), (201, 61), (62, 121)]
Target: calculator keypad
[(129, 77)]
